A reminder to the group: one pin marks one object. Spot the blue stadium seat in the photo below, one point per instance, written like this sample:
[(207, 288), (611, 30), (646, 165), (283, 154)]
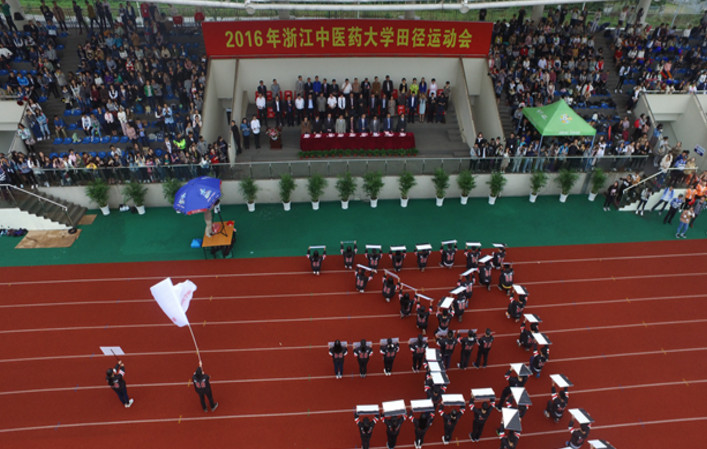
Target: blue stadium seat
[(58, 141), (95, 140), (86, 140), (67, 113), (63, 154), (124, 139), (92, 154), (42, 99), (102, 154), (53, 155), (105, 139), (76, 112), (159, 152), (72, 127), (4, 72), (114, 139), (67, 141)]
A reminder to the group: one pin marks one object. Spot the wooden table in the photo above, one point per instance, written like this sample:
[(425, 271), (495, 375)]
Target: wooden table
[(219, 240)]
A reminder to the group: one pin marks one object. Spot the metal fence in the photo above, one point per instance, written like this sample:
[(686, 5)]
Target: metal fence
[(335, 167)]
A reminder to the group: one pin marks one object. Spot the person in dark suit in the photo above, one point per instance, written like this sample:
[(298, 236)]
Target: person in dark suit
[(202, 386), (373, 104), (387, 87), (262, 89), (329, 124), (387, 123), (384, 103), (317, 125), (362, 124), (375, 125), (290, 112), (278, 108), (402, 124), (413, 102)]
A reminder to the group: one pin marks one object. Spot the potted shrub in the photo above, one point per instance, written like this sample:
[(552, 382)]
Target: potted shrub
[(170, 187), (315, 187), (441, 181), (97, 191), (287, 186), (496, 184), (466, 183), (538, 180), (566, 178), (372, 185), (249, 189), (135, 192), (406, 181), (346, 186), (597, 180)]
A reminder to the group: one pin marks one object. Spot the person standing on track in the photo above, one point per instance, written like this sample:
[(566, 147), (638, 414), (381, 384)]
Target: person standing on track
[(362, 278), (467, 345), (422, 258), (418, 348), (516, 306), (499, 257), (539, 359), (485, 343), (114, 377), (422, 316), (389, 351), (557, 404), (363, 355), (446, 345), (509, 440), (392, 429), (481, 415), (472, 255), (337, 353), (397, 258), (405, 304), (450, 422), (525, 339), (422, 424), (505, 280), (373, 257), (349, 254), (390, 287), (485, 274), (316, 260), (202, 386), (577, 435), (365, 428), (448, 255), (444, 318)]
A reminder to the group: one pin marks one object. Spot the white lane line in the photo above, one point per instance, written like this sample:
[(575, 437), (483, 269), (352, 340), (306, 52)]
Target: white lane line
[(328, 377), (297, 273)]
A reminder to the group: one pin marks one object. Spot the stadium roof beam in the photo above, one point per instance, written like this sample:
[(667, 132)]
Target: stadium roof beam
[(367, 5)]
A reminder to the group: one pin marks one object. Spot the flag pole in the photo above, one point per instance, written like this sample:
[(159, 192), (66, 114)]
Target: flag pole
[(194, 340)]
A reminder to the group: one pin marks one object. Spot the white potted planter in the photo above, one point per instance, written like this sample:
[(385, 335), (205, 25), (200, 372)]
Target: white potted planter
[(592, 196), (374, 202), (492, 200), (533, 197), (251, 207), (344, 204), (463, 200), (140, 210), (315, 205), (105, 210), (439, 202), (287, 206), (404, 202), (563, 198)]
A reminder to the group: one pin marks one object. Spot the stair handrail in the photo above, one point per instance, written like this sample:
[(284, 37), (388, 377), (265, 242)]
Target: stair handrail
[(40, 198)]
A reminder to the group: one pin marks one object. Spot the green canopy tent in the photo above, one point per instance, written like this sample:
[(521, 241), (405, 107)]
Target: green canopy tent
[(558, 119)]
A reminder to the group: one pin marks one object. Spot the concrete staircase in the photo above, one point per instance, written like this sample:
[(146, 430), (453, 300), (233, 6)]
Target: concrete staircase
[(506, 115), (604, 43), (46, 206)]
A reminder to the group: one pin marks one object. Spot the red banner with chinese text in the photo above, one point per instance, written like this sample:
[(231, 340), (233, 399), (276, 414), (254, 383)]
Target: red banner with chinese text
[(289, 38)]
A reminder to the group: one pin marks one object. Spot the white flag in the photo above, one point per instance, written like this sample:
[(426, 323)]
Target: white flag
[(174, 299)]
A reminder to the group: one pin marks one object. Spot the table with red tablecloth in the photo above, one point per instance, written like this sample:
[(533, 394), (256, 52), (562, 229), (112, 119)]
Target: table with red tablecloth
[(355, 141)]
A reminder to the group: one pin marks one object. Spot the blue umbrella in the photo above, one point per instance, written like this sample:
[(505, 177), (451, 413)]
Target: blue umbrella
[(197, 195)]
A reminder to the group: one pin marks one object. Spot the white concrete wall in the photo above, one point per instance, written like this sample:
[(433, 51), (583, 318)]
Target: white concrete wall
[(16, 218), (485, 108), (462, 107), (518, 185), (666, 106), (476, 70), (219, 86)]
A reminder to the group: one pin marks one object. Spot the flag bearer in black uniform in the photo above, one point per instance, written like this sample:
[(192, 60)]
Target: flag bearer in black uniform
[(485, 343), (485, 270), (450, 422), (516, 306), (422, 424), (349, 254), (539, 359), (448, 254), (513, 381), (525, 339), (434, 392), (365, 428), (461, 302), (481, 415), (389, 351), (418, 348), (557, 404), (505, 280), (472, 255), (446, 345), (337, 353), (315, 260), (114, 377), (422, 316), (363, 355), (202, 385), (405, 304), (373, 257), (444, 317), (577, 435), (390, 287), (397, 258), (362, 278), (392, 429), (499, 257), (422, 258), (467, 343)]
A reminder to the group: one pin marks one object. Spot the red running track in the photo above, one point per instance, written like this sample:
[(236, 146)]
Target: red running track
[(625, 321)]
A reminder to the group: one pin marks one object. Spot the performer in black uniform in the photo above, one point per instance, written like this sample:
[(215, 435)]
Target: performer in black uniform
[(472, 255), (525, 339), (397, 258), (362, 278), (557, 404), (577, 435), (316, 260), (450, 422), (509, 440), (448, 255), (349, 254), (392, 429), (363, 354), (365, 428), (422, 257), (423, 316), (405, 304), (446, 345), (481, 415), (538, 359), (374, 258), (516, 306), (422, 424), (337, 353), (418, 348), (444, 317), (485, 274), (461, 301), (499, 257), (513, 381), (467, 343), (434, 392), (485, 343), (390, 287), (389, 351), (202, 386), (114, 377), (505, 280)]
